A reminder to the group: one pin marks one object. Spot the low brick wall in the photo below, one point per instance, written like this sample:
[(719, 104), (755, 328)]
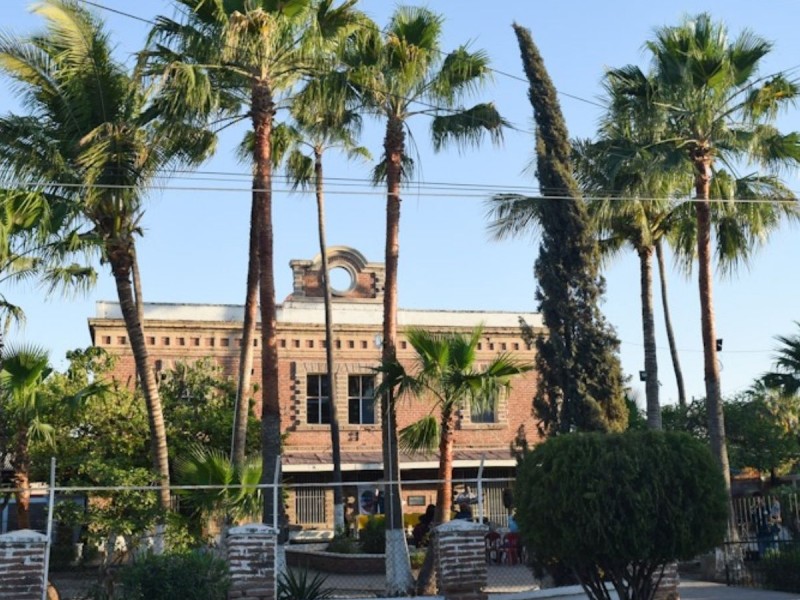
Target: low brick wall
[(251, 559), (22, 565)]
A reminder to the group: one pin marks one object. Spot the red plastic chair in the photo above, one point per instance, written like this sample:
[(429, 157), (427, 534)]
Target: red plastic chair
[(511, 549), (493, 548)]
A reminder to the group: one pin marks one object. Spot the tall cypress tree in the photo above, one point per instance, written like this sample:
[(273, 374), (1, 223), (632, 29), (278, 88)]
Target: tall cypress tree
[(580, 383)]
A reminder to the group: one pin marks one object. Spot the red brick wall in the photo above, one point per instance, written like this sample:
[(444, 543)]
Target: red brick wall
[(301, 350)]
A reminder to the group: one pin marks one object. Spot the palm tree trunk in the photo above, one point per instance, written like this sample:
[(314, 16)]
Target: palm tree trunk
[(673, 349), (263, 111), (444, 498), (338, 500), (137, 294), (399, 580), (649, 335), (246, 352), (716, 419), (444, 491), (121, 262), (21, 467)]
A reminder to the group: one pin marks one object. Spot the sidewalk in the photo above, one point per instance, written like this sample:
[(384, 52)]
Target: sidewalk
[(703, 590)]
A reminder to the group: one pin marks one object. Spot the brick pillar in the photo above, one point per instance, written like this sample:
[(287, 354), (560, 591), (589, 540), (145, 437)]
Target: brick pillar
[(460, 560), (251, 559), (22, 564), (668, 588)]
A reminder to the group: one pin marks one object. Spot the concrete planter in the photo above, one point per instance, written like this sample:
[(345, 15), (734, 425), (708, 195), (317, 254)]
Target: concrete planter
[(333, 562)]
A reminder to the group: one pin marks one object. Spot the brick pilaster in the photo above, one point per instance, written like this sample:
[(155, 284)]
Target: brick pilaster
[(251, 559), (460, 560), (22, 564), (668, 587)]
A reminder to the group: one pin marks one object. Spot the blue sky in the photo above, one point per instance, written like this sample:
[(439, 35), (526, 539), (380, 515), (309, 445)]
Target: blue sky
[(194, 247)]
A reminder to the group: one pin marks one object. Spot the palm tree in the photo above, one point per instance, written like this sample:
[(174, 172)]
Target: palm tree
[(24, 411), (92, 139), (318, 128), (785, 375), (632, 191), (35, 242), (717, 110), (24, 371), (399, 74), (235, 495), (445, 371), (240, 60)]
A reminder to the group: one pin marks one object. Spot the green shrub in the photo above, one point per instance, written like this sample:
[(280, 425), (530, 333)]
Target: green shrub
[(373, 536), (343, 544), (782, 570), (618, 506), (417, 558), (188, 576)]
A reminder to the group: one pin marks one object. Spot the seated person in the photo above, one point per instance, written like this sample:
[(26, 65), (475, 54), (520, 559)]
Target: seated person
[(512, 523), (423, 528), (464, 512)]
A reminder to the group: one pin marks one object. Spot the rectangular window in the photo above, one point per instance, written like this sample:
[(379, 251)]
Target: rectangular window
[(309, 505), (318, 408), (484, 411), (361, 400)]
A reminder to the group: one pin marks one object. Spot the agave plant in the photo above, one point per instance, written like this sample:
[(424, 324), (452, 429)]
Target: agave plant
[(298, 585)]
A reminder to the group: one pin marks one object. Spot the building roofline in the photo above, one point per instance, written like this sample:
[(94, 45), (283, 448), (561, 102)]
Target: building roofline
[(345, 313)]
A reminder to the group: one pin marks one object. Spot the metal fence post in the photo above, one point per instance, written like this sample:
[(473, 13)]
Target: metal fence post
[(51, 501)]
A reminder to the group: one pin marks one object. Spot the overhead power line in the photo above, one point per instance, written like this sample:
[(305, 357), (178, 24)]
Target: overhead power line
[(410, 190), (493, 70)]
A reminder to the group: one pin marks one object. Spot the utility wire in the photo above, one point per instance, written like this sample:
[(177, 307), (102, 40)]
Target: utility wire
[(411, 190), (493, 70), (612, 194)]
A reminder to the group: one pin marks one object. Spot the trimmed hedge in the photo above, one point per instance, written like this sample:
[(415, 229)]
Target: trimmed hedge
[(599, 503), (782, 569)]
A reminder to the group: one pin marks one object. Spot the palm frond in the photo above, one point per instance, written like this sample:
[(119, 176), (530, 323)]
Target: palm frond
[(467, 128), (421, 436), (514, 215)]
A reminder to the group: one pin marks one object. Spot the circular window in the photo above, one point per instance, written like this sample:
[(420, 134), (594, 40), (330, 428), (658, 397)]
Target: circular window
[(343, 280)]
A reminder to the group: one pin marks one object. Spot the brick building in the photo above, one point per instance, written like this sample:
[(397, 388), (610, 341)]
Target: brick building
[(186, 332)]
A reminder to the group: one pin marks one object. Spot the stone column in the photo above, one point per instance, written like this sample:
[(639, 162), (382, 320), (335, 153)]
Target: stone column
[(251, 559), (460, 560), (22, 564)]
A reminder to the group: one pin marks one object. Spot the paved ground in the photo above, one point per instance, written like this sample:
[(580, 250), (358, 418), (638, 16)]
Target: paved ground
[(502, 579), (702, 590)]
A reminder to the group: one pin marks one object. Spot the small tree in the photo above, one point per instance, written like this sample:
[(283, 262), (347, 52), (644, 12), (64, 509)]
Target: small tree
[(596, 504)]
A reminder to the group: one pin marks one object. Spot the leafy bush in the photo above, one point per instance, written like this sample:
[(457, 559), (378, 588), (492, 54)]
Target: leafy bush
[(297, 586), (189, 576), (373, 536), (619, 506), (782, 570), (343, 544), (417, 558)]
